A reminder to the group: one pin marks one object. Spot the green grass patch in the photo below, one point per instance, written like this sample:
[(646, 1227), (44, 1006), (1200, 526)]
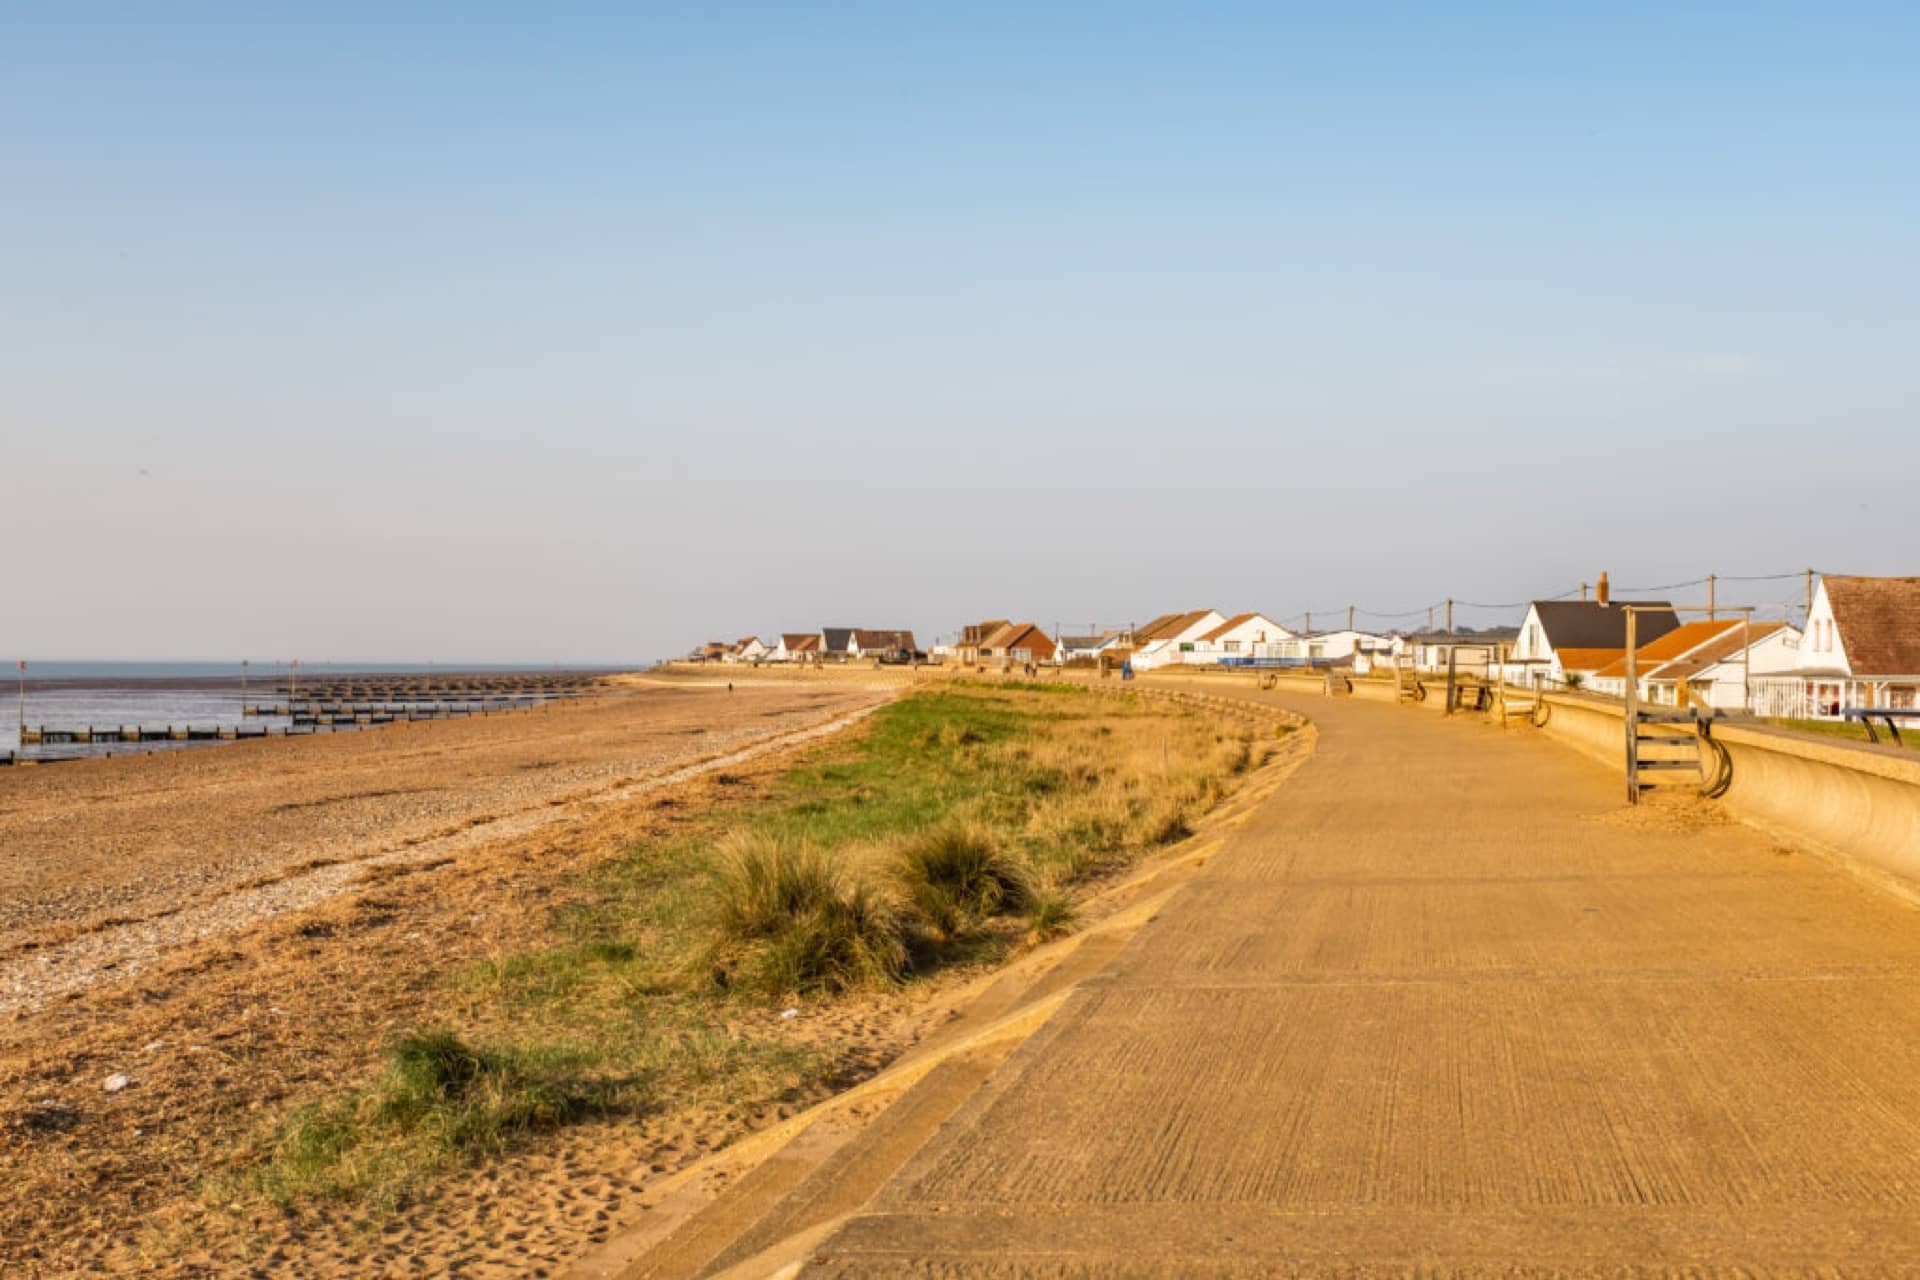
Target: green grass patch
[(954, 827)]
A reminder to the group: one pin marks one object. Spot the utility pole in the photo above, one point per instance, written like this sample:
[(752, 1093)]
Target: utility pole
[(243, 684), (21, 741), (1309, 630), (1583, 593), (1711, 580), (1429, 619), (1349, 617), (1808, 620), (1449, 615)]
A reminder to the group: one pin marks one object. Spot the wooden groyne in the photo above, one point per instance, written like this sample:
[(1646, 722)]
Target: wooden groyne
[(303, 717)]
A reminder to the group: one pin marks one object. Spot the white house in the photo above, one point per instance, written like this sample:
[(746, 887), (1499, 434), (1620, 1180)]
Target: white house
[(1861, 649), (1171, 637), (1559, 638), (796, 646), (1339, 647), (1086, 648), (1704, 663), (1243, 637), (749, 649)]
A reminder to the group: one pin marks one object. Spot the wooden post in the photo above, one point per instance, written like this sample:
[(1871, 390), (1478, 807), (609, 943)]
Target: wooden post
[(1633, 713), (1349, 617), (1711, 580), (1746, 658), (1449, 615)]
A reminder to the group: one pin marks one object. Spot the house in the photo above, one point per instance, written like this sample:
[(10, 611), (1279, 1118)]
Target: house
[(1242, 639), (1359, 649), (866, 643), (1431, 650), (1562, 638), (712, 651), (1861, 649), (797, 646), (747, 649), (836, 643), (1703, 663), (1087, 648), (1019, 643), (1717, 673), (974, 638), (1005, 643), (1172, 637)]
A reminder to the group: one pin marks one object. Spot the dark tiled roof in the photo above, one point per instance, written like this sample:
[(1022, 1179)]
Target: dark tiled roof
[(1588, 624), (835, 638), (897, 640), (1879, 623)]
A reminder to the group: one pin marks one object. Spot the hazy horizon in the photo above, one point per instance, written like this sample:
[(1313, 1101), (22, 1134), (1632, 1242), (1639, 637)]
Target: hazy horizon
[(609, 331)]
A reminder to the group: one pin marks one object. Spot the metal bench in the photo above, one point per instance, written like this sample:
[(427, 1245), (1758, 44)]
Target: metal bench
[(1889, 716)]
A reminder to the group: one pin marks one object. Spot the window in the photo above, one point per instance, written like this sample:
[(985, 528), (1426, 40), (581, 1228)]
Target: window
[(1231, 646)]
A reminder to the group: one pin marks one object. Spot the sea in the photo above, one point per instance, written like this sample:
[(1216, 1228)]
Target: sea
[(202, 694)]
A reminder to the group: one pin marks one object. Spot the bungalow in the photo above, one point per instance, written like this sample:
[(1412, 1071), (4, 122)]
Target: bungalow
[(1430, 650), (974, 638), (1704, 663), (748, 649), (1861, 649), (1339, 648), (1172, 637), (1020, 643), (1086, 648), (1562, 638), (797, 646), (836, 643), (880, 644), (1245, 637)]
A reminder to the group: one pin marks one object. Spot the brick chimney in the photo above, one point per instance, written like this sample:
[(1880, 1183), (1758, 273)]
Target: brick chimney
[(1601, 591)]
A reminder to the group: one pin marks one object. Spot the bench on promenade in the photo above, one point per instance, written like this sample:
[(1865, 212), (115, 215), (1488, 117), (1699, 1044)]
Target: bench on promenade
[(1888, 716)]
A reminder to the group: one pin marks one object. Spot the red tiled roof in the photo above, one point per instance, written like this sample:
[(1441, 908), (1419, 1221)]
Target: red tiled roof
[(1682, 639), (1169, 625), (1727, 644), (1879, 623)]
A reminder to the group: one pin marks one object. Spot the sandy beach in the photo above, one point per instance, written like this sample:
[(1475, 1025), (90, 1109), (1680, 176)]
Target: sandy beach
[(236, 926)]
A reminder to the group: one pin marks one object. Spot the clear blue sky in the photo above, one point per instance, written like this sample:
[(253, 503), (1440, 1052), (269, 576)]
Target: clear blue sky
[(577, 332)]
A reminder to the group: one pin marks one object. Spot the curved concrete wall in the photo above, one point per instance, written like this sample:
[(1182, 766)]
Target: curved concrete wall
[(1593, 727), (1850, 799), (1857, 802)]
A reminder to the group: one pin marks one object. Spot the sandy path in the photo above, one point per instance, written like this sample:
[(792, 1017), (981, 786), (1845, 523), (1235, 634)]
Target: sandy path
[(1442, 1004), (105, 865)]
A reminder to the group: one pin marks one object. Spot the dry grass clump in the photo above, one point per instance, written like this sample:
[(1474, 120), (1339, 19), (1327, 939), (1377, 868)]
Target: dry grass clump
[(956, 876), (790, 918)]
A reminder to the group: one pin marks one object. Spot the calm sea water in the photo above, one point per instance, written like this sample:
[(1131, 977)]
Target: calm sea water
[(110, 694)]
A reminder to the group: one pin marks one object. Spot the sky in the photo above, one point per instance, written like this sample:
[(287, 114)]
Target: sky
[(590, 332)]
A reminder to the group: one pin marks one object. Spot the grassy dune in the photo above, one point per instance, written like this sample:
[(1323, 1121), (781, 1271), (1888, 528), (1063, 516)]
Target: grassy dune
[(961, 824)]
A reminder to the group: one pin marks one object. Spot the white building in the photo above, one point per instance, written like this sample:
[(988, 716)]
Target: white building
[(1171, 637), (1861, 649), (1243, 637), (1342, 647), (1704, 663)]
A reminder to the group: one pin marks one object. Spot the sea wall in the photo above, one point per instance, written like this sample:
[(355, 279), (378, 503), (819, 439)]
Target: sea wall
[(1851, 799)]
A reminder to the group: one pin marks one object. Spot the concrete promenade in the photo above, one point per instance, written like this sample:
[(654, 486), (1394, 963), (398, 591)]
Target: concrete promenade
[(1444, 1004)]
